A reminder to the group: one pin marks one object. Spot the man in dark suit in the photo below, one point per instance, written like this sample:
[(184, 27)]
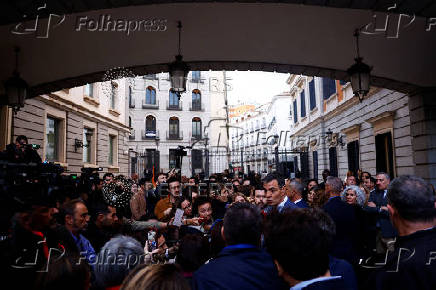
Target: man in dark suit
[(276, 198), (412, 265), (377, 204), (295, 194), (325, 174), (302, 264), (241, 264), (347, 227)]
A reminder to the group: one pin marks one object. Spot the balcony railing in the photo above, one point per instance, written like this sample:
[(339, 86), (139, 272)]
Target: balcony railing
[(150, 134), (196, 136), (196, 107), (197, 80), (150, 106), (176, 107), (131, 102), (132, 134), (174, 136), (151, 77)]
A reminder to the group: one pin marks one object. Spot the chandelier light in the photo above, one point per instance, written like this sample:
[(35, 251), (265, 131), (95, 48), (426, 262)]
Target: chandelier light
[(179, 69), (359, 73)]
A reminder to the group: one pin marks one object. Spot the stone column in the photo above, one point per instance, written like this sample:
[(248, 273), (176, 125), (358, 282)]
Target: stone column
[(5, 126), (422, 105)]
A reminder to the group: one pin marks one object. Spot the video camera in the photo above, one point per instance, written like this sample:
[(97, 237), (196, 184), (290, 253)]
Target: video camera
[(90, 176), (180, 151)]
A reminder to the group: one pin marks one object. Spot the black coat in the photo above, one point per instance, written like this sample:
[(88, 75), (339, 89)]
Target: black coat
[(367, 232), (382, 216), (345, 244), (411, 266)]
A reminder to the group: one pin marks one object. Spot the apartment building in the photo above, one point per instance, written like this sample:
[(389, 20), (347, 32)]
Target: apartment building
[(162, 122), (79, 127), (332, 129)]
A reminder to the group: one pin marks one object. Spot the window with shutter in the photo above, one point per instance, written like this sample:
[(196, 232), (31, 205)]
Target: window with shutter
[(329, 87), (295, 112), (353, 156), (333, 158), (304, 159), (312, 95), (315, 164), (302, 104)]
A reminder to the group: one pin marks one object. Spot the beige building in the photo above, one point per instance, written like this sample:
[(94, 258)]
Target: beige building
[(332, 130), (78, 127), (249, 138)]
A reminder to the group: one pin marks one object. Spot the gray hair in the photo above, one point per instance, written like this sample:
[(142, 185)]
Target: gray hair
[(117, 257), (385, 175), (297, 186), (361, 197), (413, 198), (335, 183)]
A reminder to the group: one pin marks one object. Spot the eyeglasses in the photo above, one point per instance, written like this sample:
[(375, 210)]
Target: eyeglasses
[(175, 187)]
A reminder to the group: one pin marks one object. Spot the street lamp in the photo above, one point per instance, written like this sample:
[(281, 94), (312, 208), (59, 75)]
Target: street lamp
[(16, 89), (359, 73), (179, 69)]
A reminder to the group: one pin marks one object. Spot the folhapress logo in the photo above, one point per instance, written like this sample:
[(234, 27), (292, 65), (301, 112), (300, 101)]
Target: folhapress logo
[(105, 23)]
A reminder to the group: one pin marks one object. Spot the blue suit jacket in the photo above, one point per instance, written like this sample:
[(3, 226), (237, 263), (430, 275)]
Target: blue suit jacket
[(289, 205), (249, 268), (302, 204), (377, 197), (345, 244)]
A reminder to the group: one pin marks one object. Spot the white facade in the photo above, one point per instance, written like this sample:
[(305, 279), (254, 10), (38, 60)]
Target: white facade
[(160, 106), (248, 140), (217, 130), (278, 130)]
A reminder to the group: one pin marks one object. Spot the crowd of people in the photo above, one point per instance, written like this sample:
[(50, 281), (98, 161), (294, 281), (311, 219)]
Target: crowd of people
[(231, 231)]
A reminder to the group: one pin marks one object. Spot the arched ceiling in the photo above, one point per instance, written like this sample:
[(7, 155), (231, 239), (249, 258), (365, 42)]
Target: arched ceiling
[(309, 39)]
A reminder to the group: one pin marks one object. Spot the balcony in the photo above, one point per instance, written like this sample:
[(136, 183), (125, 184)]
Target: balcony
[(174, 107), (131, 102), (198, 80), (132, 134), (151, 77), (150, 134), (196, 136), (150, 106), (196, 107), (174, 136), (196, 77)]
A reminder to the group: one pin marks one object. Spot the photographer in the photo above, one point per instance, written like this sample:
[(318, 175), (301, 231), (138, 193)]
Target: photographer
[(21, 152)]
